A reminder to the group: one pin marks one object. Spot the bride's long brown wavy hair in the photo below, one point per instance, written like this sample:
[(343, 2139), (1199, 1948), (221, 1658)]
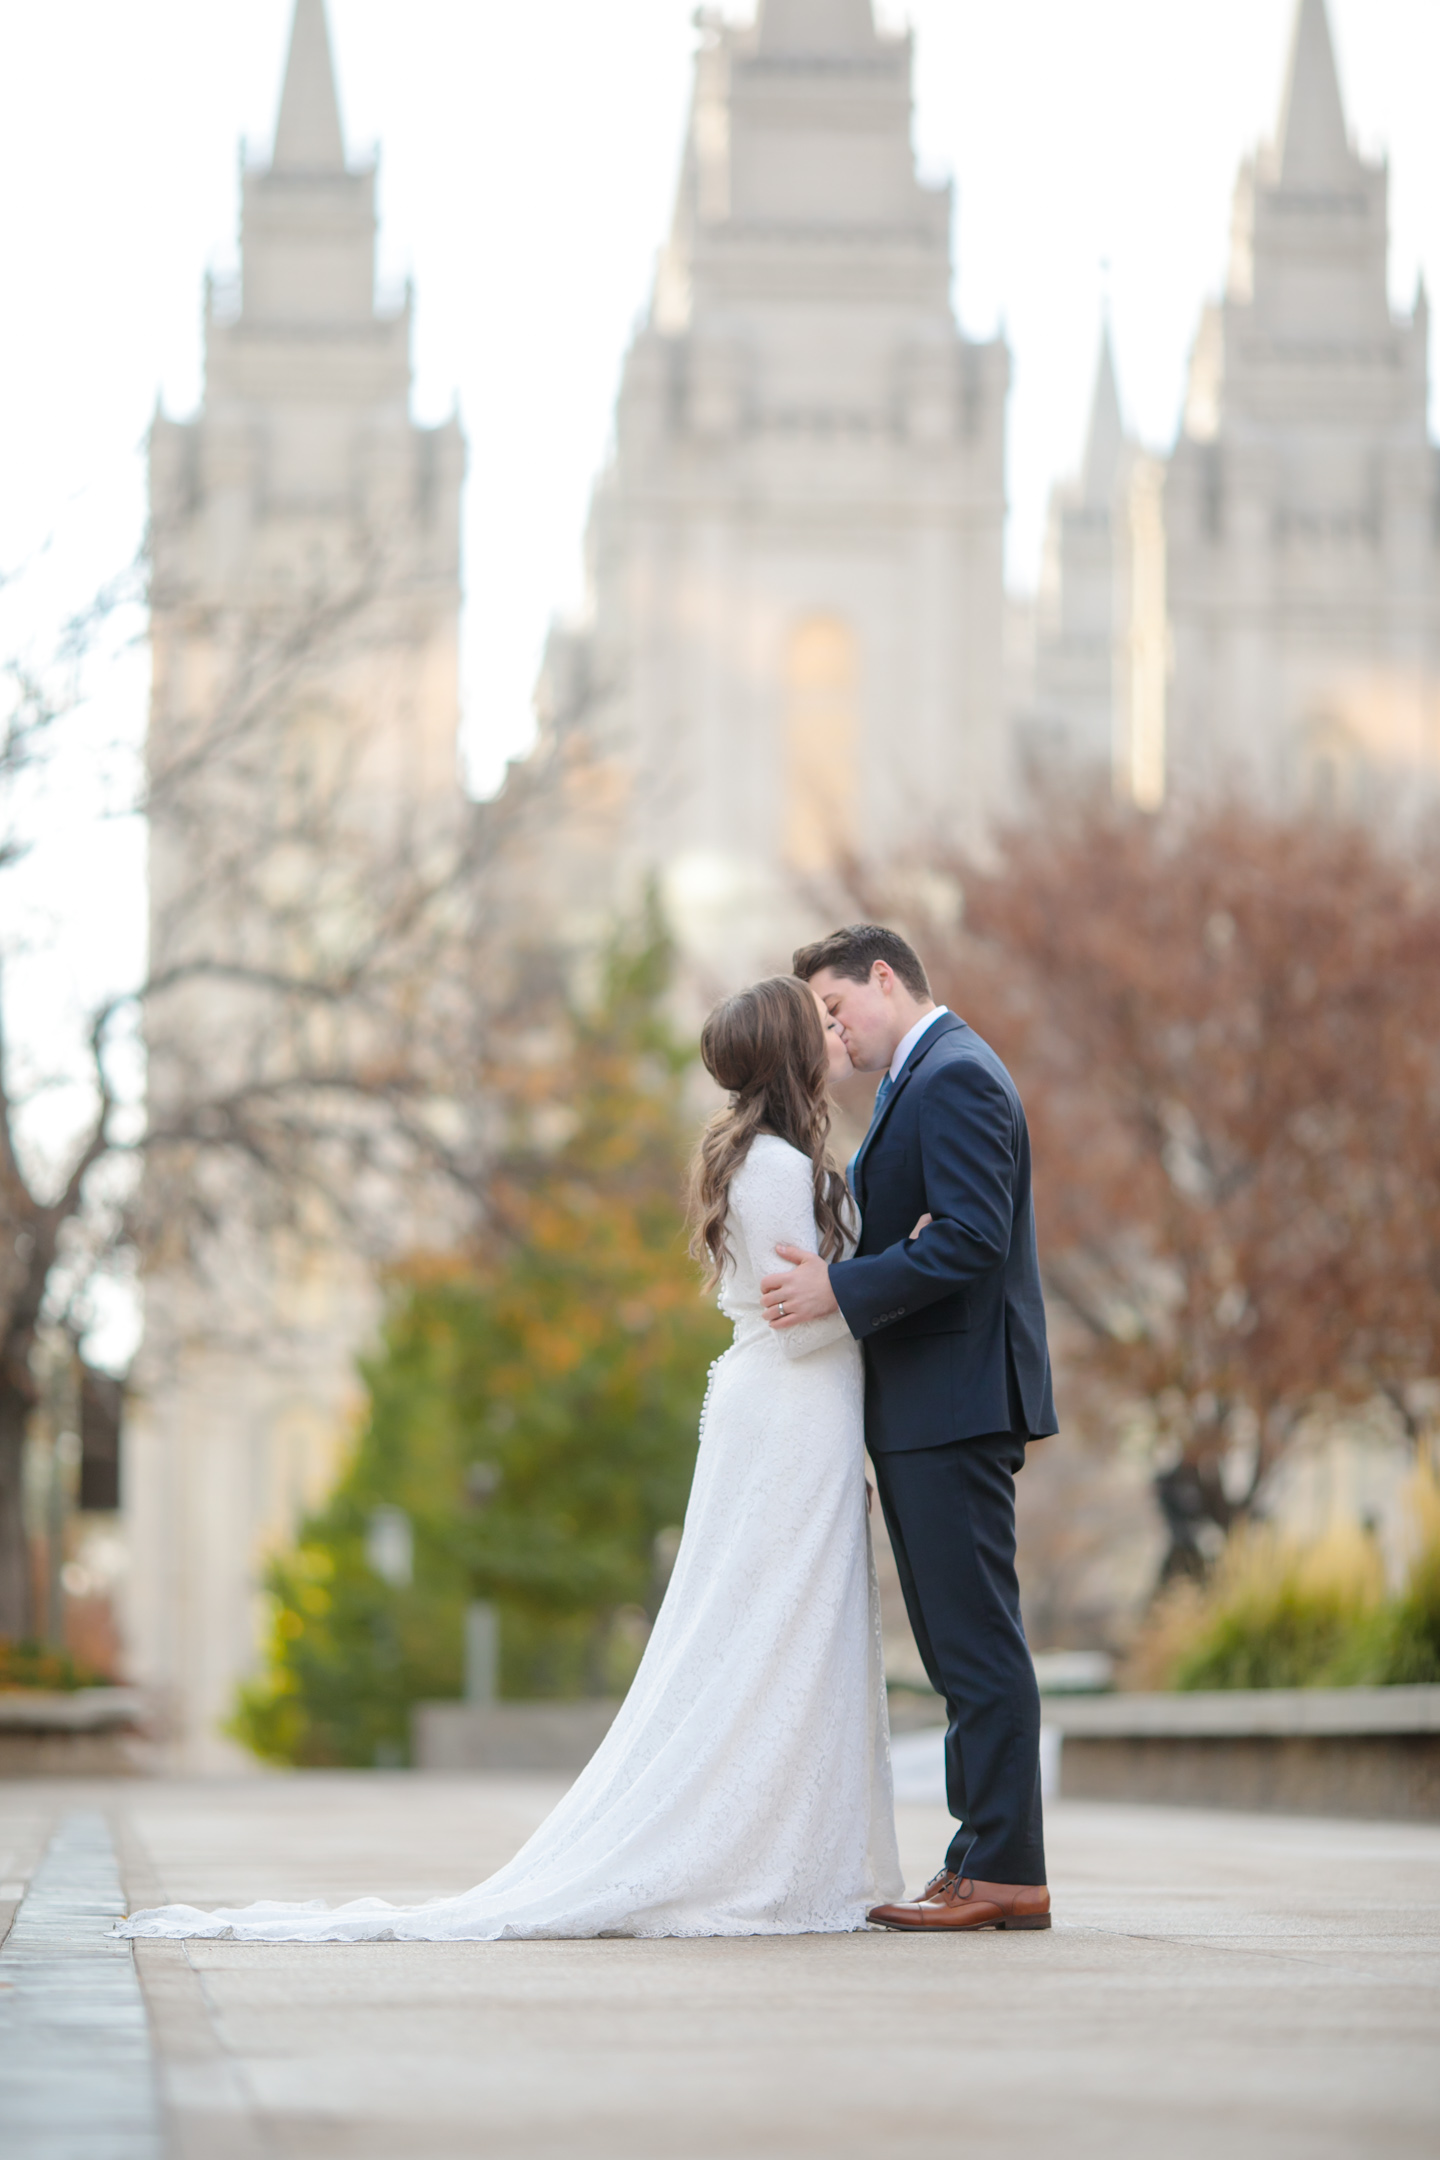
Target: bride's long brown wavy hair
[(765, 1045)]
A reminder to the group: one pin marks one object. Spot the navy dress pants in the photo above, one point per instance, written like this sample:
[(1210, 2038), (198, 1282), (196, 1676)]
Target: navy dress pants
[(950, 1512)]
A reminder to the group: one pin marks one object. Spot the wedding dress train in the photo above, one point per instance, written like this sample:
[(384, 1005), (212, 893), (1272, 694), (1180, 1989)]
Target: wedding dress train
[(744, 1788)]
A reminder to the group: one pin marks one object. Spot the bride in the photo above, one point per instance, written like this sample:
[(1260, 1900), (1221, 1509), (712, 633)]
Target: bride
[(744, 1787)]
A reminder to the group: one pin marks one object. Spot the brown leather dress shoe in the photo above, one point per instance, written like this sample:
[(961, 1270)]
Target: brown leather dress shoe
[(953, 1901)]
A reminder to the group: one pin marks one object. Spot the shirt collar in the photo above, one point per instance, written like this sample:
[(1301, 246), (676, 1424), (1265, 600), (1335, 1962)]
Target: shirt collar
[(907, 1042)]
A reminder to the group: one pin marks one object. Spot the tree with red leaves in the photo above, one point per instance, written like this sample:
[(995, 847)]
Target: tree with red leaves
[(1226, 1029)]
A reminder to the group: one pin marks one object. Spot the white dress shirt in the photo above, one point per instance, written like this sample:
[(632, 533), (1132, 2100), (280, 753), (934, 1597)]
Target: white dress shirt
[(907, 1042), (897, 1065)]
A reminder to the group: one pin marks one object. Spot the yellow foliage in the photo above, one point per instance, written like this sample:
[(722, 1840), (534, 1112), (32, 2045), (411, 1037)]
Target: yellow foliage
[(1422, 1509), (1274, 1613)]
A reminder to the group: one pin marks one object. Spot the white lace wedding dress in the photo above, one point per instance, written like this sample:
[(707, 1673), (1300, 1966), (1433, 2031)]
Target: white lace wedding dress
[(744, 1788)]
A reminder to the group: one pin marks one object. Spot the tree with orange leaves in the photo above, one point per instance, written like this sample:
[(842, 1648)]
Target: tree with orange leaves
[(1227, 1032), (532, 1413)]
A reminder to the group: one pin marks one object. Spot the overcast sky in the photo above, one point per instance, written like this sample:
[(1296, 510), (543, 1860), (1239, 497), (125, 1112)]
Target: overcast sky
[(529, 149)]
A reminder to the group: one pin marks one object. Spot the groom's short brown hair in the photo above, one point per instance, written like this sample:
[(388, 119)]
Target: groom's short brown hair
[(853, 952)]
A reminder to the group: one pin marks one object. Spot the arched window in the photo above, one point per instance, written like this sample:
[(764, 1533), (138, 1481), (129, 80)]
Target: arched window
[(821, 741)]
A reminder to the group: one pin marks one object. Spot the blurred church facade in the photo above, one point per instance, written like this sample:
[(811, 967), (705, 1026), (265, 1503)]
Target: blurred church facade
[(305, 705), (792, 643), (1261, 607)]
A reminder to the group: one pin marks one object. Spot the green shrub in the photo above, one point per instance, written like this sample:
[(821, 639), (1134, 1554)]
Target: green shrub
[(36, 1665), (1408, 1648), (534, 1415), (1274, 1614)]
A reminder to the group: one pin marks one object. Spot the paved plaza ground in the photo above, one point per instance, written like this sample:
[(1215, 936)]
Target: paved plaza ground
[(1214, 1985)]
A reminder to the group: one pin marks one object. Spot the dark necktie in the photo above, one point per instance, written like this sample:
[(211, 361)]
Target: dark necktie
[(882, 1096)]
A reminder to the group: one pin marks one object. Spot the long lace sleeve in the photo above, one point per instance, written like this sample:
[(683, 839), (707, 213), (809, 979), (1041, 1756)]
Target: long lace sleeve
[(775, 1205)]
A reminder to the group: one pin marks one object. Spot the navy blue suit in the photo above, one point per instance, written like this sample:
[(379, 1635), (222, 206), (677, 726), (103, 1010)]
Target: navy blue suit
[(957, 1379)]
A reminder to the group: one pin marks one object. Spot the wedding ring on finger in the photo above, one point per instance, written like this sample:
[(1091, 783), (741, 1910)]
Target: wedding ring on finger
[(782, 1311)]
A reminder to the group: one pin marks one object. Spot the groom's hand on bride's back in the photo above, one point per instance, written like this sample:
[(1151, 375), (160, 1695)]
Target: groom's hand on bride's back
[(803, 1289)]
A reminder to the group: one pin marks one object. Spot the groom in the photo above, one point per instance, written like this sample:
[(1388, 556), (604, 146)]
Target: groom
[(957, 1379)]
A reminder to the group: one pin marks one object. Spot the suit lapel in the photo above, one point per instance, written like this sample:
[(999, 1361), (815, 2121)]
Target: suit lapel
[(945, 1025)]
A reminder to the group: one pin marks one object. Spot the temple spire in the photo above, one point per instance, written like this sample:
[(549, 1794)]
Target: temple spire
[(1105, 438), (308, 135), (1314, 147)]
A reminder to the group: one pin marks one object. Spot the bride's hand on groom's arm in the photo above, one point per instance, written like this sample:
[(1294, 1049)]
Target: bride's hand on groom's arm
[(804, 1289)]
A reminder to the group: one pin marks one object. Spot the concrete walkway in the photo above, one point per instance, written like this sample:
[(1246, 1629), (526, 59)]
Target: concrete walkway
[(1223, 1985), (69, 1997)]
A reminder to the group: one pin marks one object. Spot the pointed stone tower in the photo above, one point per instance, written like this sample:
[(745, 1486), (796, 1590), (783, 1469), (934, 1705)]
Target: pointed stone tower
[(305, 549), (1098, 708), (791, 647), (1300, 500), (1076, 628)]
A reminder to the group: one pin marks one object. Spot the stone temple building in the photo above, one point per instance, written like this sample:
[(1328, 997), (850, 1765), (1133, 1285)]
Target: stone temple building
[(790, 652), (1274, 584), (1300, 503), (305, 540), (792, 644)]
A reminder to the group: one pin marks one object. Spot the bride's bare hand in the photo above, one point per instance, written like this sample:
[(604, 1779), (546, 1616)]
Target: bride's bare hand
[(924, 1219)]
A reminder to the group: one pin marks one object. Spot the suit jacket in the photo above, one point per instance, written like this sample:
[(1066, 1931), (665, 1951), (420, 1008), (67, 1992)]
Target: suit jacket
[(953, 1322)]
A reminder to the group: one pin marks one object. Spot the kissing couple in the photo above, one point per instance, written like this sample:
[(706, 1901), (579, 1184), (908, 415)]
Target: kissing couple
[(744, 1787)]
